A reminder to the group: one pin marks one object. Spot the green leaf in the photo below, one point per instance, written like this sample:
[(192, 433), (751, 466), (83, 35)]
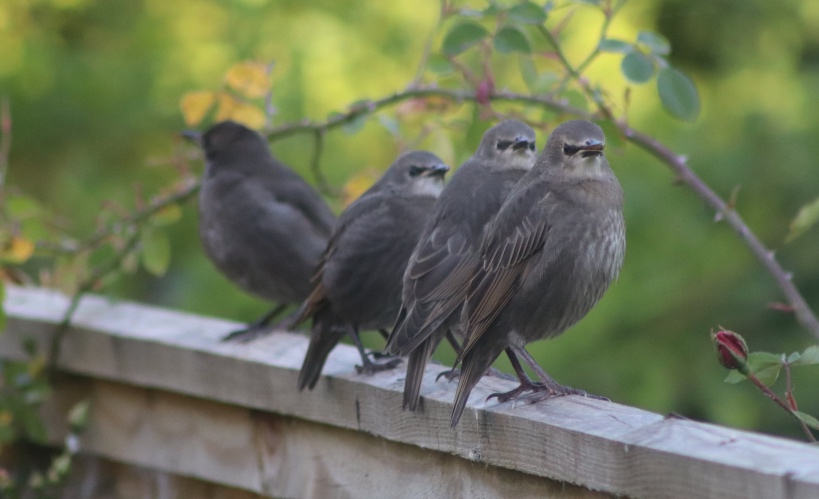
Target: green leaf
[(809, 357), (657, 44), (440, 65), (769, 375), (78, 416), (793, 357), (462, 36), (576, 98), (527, 13), (734, 377), (354, 125), (618, 46), (614, 137), (807, 419), (156, 251), (637, 67), (678, 94), (510, 39), (806, 218), (760, 360), (537, 83)]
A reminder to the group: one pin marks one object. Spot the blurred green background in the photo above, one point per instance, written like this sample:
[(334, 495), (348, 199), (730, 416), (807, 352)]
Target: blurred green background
[(95, 85)]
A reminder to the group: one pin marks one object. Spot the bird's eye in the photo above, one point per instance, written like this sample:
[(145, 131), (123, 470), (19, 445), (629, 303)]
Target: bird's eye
[(414, 171), (531, 146), (504, 144), (570, 150)]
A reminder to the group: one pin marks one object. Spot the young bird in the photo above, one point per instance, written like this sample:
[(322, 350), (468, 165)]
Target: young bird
[(554, 248), (358, 282), (437, 276), (260, 223)]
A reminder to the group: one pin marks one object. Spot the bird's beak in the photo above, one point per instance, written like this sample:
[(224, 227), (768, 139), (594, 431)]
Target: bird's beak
[(192, 136), (438, 170), (592, 148), (520, 144)]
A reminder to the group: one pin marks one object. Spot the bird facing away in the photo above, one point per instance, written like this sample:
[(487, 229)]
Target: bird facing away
[(358, 282), (438, 272), (554, 248), (260, 223)]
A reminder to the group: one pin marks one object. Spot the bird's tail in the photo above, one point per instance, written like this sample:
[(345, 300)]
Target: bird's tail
[(475, 363), (327, 331), (416, 365)]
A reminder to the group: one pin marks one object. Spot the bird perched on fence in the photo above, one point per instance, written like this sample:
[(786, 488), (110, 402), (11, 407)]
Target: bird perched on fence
[(358, 283), (438, 272), (260, 223), (554, 248)]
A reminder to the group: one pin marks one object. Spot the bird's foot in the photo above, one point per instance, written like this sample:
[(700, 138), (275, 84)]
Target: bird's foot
[(370, 367), (558, 391), (525, 386), (247, 334), (449, 374), (377, 355)]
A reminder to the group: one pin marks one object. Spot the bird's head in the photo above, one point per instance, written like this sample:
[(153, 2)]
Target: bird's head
[(577, 146), (227, 137), (420, 171), (510, 144)]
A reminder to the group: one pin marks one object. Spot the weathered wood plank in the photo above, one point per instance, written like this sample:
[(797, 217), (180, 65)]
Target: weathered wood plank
[(272, 455), (599, 445)]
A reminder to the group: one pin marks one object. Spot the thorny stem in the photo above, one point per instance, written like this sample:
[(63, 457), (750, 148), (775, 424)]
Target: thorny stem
[(781, 403), (677, 164), (100, 272), (135, 219)]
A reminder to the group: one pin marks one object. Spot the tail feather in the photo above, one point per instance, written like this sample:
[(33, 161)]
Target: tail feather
[(416, 365), (475, 364), (327, 332)]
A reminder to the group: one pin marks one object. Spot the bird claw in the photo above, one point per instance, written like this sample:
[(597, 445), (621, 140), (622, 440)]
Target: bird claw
[(450, 375), (370, 367), (246, 334), (523, 387)]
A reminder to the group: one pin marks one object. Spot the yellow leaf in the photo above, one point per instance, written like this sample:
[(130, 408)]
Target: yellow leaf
[(17, 250), (195, 105), (357, 185), (6, 417), (249, 78), (231, 108)]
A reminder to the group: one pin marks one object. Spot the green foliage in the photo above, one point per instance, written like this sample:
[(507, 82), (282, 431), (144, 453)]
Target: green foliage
[(510, 39), (637, 67), (463, 36), (806, 218), (678, 94)]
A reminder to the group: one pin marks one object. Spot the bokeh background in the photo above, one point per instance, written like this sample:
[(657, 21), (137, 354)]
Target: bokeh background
[(95, 86)]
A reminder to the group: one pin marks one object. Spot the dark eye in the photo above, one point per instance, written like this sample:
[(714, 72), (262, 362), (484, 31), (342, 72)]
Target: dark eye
[(570, 150), (414, 171), (504, 144), (531, 146)]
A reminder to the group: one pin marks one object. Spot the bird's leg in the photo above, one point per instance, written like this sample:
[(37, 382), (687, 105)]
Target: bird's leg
[(380, 355), (526, 383), (257, 328), (368, 366), (451, 373), (549, 387)]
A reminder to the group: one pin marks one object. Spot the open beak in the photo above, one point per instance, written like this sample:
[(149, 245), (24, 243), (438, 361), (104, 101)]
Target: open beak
[(592, 148), (438, 170), (520, 144)]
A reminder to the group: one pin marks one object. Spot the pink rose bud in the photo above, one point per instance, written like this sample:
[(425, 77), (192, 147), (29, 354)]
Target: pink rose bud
[(732, 351), (484, 90)]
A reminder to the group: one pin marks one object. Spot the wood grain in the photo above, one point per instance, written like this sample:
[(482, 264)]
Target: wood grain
[(598, 445)]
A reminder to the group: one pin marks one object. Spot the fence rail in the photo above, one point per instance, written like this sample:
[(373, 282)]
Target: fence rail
[(168, 396)]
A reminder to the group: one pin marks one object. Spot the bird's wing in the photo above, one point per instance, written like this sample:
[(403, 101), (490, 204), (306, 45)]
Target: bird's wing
[(288, 187), (435, 285), (519, 231)]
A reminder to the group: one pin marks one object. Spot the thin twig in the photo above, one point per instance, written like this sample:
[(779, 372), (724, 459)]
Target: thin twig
[(315, 164), (5, 139)]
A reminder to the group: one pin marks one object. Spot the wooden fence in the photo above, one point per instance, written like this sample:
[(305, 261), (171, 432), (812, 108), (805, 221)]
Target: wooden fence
[(176, 413)]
